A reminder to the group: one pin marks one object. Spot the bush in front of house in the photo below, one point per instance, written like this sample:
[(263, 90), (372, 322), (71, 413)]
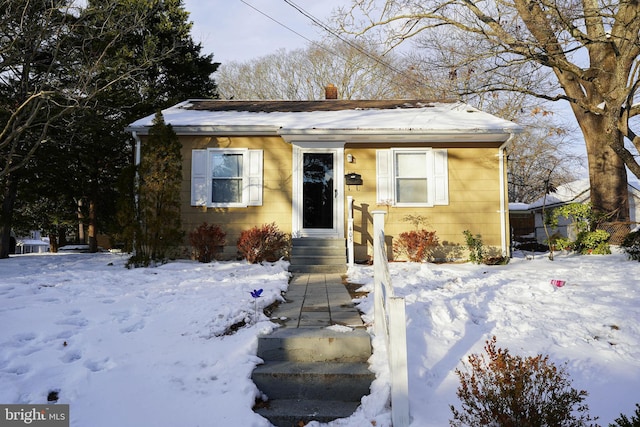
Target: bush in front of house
[(631, 245), (263, 243), (589, 240), (207, 240), (475, 246), (503, 390), (416, 245)]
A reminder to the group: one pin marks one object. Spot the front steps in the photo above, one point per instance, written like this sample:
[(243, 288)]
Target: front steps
[(312, 374), (318, 255)]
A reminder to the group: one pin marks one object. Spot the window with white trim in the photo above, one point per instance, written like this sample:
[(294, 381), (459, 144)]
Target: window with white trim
[(412, 177), (226, 177)]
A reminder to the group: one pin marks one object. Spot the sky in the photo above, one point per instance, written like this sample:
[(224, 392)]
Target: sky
[(234, 31)]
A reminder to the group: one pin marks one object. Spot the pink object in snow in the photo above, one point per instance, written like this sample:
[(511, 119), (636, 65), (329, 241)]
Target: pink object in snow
[(557, 283)]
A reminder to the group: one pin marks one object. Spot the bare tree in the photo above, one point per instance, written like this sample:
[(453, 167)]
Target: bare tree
[(584, 52), (358, 71)]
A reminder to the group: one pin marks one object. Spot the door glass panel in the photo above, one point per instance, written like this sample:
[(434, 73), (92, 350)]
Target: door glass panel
[(317, 190)]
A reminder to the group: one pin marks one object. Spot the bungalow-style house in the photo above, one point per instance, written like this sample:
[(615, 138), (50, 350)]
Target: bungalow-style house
[(575, 192), (436, 165)]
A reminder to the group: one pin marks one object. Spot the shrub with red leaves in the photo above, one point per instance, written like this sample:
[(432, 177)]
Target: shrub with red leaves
[(416, 246), (207, 240), (503, 390), (264, 243)]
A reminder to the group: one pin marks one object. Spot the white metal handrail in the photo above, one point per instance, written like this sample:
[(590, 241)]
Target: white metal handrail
[(350, 255), (390, 323)]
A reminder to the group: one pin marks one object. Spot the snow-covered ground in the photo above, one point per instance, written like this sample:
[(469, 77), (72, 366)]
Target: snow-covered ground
[(146, 347)]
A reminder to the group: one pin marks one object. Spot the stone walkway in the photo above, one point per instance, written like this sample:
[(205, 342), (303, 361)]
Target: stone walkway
[(317, 300)]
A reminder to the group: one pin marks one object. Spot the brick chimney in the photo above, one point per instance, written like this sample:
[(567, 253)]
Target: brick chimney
[(330, 92)]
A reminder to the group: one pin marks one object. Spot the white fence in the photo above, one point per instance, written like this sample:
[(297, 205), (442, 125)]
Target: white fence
[(390, 323)]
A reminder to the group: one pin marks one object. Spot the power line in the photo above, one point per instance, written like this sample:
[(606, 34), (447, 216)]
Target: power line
[(349, 42), (276, 21), (326, 28), (287, 27)]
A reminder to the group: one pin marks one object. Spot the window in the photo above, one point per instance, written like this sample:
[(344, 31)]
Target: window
[(412, 177), (411, 181), (226, 177)]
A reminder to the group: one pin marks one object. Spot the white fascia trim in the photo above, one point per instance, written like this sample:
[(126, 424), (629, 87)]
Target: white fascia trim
[(214, 130), (343, 135), (369, 136)]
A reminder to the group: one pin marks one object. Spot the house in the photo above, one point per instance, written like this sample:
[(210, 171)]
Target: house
[(576, 192), (437, 165), (33, 244)]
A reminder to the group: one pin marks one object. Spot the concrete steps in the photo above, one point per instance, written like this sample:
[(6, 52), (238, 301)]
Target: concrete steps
[(312, 374), (318, 255)]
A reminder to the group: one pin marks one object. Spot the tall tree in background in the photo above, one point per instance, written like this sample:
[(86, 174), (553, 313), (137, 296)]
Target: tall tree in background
[(184, 72), (585, 53), (356, 69), (158, 190), (47, 72), (95, 69)]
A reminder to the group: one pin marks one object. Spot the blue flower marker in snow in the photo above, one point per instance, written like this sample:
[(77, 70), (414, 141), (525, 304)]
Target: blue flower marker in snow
[(255, 294)]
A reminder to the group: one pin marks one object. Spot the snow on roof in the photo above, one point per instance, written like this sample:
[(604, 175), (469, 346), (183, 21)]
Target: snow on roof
[(565, 193), (516, 206), (283, 116)]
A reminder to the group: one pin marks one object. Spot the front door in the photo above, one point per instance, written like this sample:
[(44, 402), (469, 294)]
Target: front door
[(318, 203)]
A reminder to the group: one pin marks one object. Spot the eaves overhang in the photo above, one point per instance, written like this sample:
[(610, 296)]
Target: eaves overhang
[(344, 135)]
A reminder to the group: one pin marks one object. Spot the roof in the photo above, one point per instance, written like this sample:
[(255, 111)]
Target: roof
[(576, 191), (337, 118)]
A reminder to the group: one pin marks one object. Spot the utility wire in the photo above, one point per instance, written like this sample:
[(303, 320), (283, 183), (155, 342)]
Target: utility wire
[(336, 35), (287, 27), (328, 29)]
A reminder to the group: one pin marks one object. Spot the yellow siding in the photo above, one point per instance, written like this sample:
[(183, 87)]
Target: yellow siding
[(474, 195), (474, 200), (276, 207)]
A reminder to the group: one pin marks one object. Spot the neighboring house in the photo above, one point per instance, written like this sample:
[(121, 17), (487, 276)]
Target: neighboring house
[(522, 222), (31, 245), (436, 165), (574, 192)]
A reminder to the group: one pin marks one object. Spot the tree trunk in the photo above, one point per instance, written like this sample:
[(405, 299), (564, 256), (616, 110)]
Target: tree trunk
[(81, 238), (607, 173), (93, 237), (6, 216), (53, 242)]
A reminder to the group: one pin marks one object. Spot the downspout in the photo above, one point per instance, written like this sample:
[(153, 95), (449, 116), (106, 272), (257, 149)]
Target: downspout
[(138, 146), (504, 232)]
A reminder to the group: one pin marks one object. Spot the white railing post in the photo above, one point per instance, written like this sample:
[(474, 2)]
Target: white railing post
[(378, 267), (350, 254), (397, 351), (390, 323)]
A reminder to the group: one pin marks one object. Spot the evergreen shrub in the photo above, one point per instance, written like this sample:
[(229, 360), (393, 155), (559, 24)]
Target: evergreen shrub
[(631, 245)]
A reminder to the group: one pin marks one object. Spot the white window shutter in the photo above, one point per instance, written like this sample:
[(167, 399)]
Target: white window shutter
[(441, 177), (199, 179), (384, 180), (253, 190)]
